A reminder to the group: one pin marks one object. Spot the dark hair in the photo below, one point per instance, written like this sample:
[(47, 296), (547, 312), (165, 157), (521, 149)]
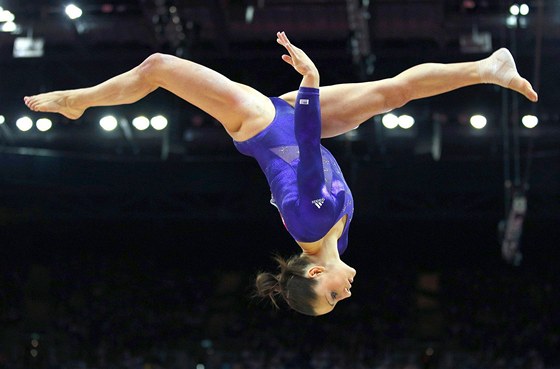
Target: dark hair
[(291, 283)]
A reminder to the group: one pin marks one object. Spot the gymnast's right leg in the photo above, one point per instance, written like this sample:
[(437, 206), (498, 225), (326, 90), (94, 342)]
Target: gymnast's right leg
[(242, 110), (346, 106)]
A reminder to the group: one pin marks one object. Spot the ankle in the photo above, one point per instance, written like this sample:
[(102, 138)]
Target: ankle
[(499, 68), (70, 101), (485, 70)]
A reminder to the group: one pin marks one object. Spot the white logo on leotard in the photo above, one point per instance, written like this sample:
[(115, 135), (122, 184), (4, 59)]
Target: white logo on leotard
[(304, 101), (319, 202)]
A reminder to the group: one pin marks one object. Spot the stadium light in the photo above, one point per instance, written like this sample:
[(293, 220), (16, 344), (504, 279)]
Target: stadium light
[(390, 121), (514, 9), (478, 121), (108, 123), (43, 124), (6, 16), (24, 124), (159, 122), (141, 123), (73, 12), (406, 121), (9, 27), (530, 121), (249, 14)]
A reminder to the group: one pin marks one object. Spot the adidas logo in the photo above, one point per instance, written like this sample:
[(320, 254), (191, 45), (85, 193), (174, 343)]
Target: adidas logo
[(319, 202)]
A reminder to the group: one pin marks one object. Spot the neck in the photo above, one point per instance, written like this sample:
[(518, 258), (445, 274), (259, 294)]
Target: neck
[(323, 251)]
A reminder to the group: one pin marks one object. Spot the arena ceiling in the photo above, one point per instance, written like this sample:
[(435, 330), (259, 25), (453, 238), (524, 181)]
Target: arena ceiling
[(350, 40)]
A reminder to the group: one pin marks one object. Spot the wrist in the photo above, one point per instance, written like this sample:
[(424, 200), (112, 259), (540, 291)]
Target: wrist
[(311, 79)]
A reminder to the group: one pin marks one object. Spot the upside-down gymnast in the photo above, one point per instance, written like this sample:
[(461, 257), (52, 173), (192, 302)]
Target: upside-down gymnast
[(283, 134)]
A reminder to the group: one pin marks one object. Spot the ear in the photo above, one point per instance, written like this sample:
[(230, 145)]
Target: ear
[(315, 271)]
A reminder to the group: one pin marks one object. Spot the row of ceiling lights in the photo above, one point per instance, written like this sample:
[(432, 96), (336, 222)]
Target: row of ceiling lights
[(73, 11), (108, 123), (159, 122), (8, 24), (517, 15), (478, 121), (7, 19)]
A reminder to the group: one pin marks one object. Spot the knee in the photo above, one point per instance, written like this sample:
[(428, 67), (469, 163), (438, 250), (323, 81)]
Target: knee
[(151, 67)]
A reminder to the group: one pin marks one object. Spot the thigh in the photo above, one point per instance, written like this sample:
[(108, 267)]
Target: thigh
[(346, 106), (242, 110)]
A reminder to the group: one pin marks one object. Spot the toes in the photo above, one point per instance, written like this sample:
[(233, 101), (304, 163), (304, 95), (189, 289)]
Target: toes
[(29, 102), (532, 95)]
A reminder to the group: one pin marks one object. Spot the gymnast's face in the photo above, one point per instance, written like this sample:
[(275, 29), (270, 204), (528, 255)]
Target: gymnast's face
[(333, 284)]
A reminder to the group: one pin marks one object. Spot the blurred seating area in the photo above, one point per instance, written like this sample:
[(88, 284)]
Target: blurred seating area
[(107, 314)]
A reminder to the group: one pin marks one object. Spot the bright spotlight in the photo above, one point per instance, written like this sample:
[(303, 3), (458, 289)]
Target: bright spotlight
[(530, 121), (24, 124), (514, 9), (524, 9), (511, 21), (141, 123), (478, 121), (159, 122), (6, 16), (108, 123), (9, 27), (406, 121), (2, 119), (249, 14), (73, 12), (390, 121), (43, 124)]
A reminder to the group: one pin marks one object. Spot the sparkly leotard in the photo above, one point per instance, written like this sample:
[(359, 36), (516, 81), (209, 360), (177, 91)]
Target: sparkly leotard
[(307, 185)]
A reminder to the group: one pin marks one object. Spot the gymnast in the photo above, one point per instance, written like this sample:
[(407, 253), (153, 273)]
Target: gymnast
[(283, 134)]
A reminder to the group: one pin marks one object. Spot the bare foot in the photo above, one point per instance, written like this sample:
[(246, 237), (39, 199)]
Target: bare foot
[(53, 102), (499, 68)]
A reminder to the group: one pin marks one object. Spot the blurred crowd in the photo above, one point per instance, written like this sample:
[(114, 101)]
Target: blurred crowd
[(139, 314)]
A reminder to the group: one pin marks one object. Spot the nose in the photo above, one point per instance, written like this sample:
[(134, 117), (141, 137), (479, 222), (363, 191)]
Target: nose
[(352, 274)]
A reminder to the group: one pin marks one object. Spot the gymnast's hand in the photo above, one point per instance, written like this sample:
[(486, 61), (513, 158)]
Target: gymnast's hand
[(300, 61)]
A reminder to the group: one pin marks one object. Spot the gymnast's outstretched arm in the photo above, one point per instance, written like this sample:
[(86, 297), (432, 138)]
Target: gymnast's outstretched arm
[(307, 122)]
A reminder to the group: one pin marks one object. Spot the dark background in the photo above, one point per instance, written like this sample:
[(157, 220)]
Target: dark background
[(121, 252)]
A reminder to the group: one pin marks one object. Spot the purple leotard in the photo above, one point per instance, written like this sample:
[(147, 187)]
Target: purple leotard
[(307, 185)]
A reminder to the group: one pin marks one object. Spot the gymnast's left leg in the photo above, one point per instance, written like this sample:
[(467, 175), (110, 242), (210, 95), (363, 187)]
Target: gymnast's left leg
[(241, 110), (345, 106)]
